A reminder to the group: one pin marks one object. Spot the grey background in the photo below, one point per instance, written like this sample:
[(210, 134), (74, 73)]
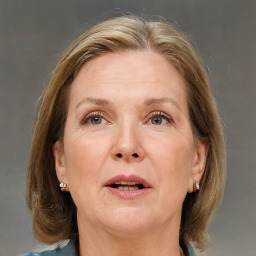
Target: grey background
[(33, 35)]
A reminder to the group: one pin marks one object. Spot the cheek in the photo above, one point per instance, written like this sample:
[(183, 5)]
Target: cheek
[(175, 160), (83, 160), (174, 153), (83, 169)]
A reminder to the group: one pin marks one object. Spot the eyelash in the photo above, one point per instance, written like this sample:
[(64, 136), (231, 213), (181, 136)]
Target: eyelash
[(160, 114), (88, 117)]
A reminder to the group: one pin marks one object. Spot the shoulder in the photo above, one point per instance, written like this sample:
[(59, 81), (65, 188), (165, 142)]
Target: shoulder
[(66, 250)]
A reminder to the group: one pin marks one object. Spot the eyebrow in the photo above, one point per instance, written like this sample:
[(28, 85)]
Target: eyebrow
[(147, 102), (97, 101), (151, 101)]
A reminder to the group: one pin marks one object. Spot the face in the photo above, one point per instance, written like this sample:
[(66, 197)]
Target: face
[(129, 156)]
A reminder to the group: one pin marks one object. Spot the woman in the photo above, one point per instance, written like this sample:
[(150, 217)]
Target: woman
[(128, 155)]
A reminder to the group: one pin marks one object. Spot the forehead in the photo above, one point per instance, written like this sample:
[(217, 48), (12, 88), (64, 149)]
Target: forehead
[(145, 72)]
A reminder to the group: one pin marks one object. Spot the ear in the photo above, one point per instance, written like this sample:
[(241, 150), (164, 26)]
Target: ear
[(199, 162), (60, 166)]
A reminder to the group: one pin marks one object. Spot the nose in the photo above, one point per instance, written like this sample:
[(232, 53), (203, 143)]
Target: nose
[(127, 145)]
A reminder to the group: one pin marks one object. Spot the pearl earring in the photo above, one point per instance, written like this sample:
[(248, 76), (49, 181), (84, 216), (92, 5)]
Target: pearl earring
[(63, 186), (196, 185)]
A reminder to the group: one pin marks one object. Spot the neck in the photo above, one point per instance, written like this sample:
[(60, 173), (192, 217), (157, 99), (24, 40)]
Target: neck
[(94, 241)]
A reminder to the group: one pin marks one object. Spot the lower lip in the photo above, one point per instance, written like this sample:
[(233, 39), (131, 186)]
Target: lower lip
[(129, 194)]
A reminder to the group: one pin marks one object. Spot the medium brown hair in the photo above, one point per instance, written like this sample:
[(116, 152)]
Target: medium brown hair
[(54, 212)]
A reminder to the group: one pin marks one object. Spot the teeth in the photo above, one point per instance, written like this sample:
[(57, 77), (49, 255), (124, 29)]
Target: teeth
[(127, 183), (128, 188)]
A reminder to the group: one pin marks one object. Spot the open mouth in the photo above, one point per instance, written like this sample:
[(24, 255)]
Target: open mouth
[(127, 185)]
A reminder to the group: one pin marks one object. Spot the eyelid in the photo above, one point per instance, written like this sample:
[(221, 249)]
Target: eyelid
[(162, 114), (86, 117), (91, 114)]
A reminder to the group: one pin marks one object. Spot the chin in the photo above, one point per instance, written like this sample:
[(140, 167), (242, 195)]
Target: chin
[(129, 222)]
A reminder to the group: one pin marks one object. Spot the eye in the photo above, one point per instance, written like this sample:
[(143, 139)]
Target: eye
[(159, 118), (94, 118)]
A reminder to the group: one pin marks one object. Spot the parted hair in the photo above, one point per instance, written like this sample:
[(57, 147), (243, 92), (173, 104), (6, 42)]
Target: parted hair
[(54, 212)]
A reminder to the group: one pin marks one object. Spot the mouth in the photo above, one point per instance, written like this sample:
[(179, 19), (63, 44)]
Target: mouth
[(127, 182), (130, 186), (127, 185)]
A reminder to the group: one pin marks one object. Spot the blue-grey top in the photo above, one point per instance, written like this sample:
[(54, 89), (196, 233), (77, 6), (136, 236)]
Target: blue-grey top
[(69, 250)]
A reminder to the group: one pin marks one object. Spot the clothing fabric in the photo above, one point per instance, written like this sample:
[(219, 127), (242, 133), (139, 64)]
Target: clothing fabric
[(69, 250), (191, 251)]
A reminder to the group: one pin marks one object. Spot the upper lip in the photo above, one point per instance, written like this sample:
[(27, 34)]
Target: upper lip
[(128, 178)]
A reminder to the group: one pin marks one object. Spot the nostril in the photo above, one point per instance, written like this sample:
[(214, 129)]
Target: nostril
[(119, 155), (135, 155)]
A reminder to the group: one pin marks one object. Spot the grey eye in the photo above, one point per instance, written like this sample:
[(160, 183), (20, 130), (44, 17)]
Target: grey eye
[(156, 120), (96, 120)]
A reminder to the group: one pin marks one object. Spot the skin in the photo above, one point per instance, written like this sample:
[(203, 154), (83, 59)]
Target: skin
[(102, 138)]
